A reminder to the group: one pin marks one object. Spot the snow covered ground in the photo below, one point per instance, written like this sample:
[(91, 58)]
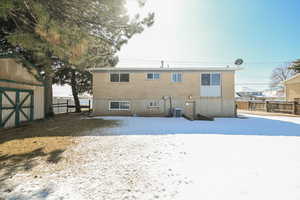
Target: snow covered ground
[(245, 125), (255, 157)]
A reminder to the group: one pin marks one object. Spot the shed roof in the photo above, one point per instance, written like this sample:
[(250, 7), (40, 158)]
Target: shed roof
[(294, 79), (12, 71)]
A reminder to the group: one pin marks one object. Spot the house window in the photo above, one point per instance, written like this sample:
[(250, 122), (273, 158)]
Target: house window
[(210, 79), (210, 85), (114, 77), (154, 103), (177, 77), (215, 79), (119, 77), (124, 77), (119, 105), (205, 79), (153, 76)]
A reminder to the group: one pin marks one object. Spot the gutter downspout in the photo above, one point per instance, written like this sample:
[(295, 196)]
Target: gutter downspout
[(170, 111)]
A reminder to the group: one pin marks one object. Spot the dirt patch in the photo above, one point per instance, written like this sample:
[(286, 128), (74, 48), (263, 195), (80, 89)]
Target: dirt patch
[(42, 142)]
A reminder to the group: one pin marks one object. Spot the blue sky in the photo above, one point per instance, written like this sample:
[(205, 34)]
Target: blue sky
[(265, 33)]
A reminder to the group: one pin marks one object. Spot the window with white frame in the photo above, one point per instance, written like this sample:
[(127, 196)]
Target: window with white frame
[(153, 76), (211, 84), (119, 105), (154, 103), (119, 77), (177, 77), (210, 79)]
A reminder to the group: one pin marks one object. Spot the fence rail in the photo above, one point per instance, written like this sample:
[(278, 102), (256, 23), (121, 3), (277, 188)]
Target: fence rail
[(291, 107), (67, 105)]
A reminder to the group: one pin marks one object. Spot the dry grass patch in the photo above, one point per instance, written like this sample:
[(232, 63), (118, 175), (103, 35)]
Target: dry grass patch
[(43, 141), (52, 134)]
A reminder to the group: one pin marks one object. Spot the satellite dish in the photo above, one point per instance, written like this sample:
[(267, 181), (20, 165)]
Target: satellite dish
[(239, 61)]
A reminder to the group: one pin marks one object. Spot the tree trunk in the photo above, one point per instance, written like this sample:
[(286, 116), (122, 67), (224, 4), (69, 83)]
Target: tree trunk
[(48, 95), (75, 92)]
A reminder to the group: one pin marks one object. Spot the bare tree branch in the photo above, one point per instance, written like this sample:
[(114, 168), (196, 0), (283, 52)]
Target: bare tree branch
[(281, 74)]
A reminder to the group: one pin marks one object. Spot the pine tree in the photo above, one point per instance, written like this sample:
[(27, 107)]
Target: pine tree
[(79, 80), (83, 33)]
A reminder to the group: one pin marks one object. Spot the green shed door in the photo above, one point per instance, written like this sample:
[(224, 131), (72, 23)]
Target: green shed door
[(16, 106)]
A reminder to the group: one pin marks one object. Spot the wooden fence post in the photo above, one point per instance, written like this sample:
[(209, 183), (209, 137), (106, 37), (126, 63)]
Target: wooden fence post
[(58, 108), (67, 105), (294, 107), (235, 110), (89, 105)]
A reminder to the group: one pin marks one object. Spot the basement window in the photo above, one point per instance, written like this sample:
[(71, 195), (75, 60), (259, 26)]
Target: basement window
[(119, 77), (119, 105)]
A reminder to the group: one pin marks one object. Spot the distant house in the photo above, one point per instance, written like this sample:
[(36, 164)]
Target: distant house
[(21, 94), (292, 88), (249, 95), (276, 94), (162, 91), (267, 95)]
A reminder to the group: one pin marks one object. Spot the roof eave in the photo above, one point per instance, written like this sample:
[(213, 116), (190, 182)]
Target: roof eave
[(167, 69), (292, 78)]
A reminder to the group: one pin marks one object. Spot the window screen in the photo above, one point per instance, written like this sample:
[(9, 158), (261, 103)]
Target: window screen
[(119, 105), (210, 85), (205, 79), (114, 105), (124, 77), (153, 76), (177, 77), (114, 77), (150, 76), (156, 76), (124, 105), (215, 79)]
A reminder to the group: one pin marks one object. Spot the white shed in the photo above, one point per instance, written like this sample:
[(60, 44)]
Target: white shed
[(21, 94)]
